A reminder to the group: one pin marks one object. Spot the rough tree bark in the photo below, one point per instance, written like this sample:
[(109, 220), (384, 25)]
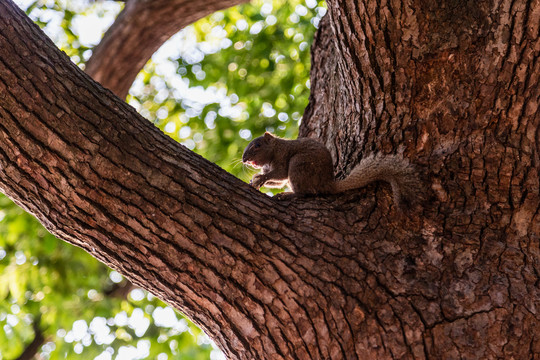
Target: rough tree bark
[(454, 86), (140, 29)]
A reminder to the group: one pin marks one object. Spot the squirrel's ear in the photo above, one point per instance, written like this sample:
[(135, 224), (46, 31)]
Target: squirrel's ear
[(268, 136)]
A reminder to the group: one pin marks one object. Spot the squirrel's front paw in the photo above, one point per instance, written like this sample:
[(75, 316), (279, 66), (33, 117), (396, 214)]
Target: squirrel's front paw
[(257, 181)]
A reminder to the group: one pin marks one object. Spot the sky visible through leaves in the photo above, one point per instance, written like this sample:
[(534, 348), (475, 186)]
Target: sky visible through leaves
[(213, 87)]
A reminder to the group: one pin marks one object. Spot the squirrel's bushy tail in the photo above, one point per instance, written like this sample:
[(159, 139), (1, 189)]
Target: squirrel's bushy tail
[(394, 169)]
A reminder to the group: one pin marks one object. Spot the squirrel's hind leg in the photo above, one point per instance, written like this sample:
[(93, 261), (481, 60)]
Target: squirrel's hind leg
[(276, 184), (311, 175)]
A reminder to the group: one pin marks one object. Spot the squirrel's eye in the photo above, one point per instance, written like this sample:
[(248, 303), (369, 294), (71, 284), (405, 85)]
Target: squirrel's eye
[(256, 146)]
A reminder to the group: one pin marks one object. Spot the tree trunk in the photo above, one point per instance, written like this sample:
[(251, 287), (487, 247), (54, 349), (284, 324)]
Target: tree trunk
[(455, 87)]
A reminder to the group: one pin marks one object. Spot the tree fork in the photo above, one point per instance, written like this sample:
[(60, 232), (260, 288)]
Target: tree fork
[(334, 277)]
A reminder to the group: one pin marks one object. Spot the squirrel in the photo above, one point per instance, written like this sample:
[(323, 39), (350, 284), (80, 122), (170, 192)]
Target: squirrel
[(306, 166)]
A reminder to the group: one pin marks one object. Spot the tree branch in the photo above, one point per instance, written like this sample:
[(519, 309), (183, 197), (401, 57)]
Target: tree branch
[(119, 290), (39, 339), (140, 29)]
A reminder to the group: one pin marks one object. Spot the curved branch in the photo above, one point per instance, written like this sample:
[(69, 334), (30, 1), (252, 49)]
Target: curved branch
[(140, 29)]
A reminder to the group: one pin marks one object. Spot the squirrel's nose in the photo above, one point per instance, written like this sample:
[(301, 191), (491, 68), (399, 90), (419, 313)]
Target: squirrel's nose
[(245, 157)]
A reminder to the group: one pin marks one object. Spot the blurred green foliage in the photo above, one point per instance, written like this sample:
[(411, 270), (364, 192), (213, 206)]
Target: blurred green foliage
[(213, 87), (252, 62)]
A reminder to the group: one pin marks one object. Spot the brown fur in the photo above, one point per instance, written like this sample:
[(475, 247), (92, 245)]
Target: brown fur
[(306, 165)]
